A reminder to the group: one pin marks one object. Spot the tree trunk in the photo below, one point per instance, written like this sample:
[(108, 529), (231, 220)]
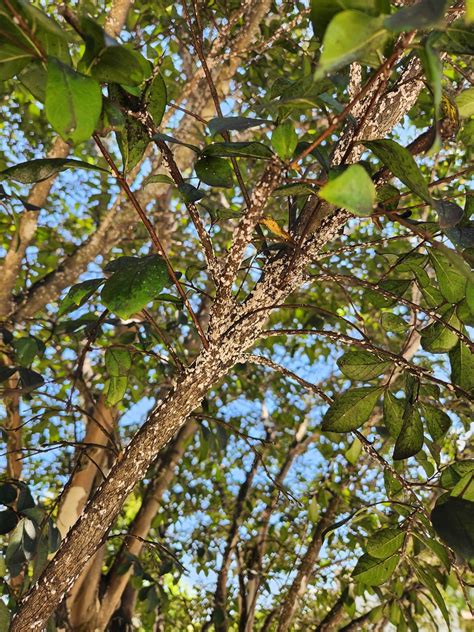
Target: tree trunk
[(117, 580), (300, 582)]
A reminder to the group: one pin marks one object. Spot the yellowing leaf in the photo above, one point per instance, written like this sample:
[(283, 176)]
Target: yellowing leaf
[(275, 228)]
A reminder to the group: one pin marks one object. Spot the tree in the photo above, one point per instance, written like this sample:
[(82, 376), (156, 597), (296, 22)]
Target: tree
[(235, 306)]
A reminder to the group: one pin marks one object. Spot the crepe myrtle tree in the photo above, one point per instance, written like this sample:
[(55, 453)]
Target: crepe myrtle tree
[(235, 303)]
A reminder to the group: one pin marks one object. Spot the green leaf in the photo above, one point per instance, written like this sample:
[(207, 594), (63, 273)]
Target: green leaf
[(437, 338), (215, 172), (118, 361), (457, 39), (285, 140), (351, 409), (30, 379), (421, 15), (428, 581), (462, 366), (8, 521), (469, 11), (115, 390), (393, 323), (44, 168), (130, 289), (170, 139), (457, 470), (402, 164), (322, 11), (159, 178), (362, 365), (350, 36), (78, 295), (313, 510), (410, 439), (393, 409), (464, 488), (374, 572), (117, 64), (73, 102), (26, 349), (384, 543), (449, 213), (294, 189), (189, 193), (395, 286), (5, 617), (353, 190), (224, 124), (155, 99), (452, 283), (388, 197), (437, 420), (21, 545), (12, 60), (239, 150), (465, 103), (353, 453), (133, 141)]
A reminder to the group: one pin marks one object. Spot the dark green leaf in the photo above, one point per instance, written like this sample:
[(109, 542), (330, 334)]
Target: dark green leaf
[(240, 123), (437, 338), (30, 379), (78, 295), (428, 581), (457, 39), (130, 289), (462, 366), (189, 193), (449, 213), (437, 420), (8, 493), (453, 521), (410, 439), (293, 189), (351, 409), (421, 15), (133, 141), (393, 409), (26, 349), (402, 164), (44, 168), (117, 64), (8, 521), (244, 150), (155, 99), (6, 372), (353, 190), (215, 172), (73, 102), (170, 139), (362, 365)]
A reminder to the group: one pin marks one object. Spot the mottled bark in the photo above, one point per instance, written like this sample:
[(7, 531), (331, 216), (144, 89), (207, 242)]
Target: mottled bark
[(117, 580), (303, 574)]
